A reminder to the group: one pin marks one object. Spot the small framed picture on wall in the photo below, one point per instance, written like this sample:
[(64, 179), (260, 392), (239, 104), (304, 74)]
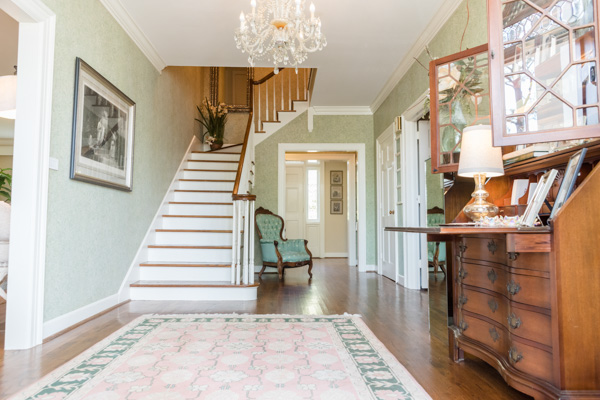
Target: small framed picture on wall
[(336, 207), (337, 192), (336, 177)]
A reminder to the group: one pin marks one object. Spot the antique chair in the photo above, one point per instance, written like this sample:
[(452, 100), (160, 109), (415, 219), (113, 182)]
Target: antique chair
[(276, 251), (436, 251)]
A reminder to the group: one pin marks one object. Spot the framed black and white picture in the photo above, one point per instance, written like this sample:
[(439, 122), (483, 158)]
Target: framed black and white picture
[(336, 177), (337, 192), (568, 183), (541, 191), (336, 207), (103, 131)]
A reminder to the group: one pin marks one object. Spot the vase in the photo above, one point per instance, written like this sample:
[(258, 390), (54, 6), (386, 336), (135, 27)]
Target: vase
[(216, 146)]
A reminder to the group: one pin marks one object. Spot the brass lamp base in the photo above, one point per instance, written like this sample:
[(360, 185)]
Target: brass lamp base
[(480, 208)]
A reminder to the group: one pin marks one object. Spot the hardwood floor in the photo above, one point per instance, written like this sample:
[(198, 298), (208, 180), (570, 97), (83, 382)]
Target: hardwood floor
[(398, 317)]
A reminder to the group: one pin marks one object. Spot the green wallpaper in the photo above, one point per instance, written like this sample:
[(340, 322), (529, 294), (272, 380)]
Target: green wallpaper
[(416, 81), (94, 232), (327, 129)]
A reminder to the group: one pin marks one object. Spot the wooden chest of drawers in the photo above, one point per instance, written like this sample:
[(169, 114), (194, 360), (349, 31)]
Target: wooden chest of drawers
[(507, 312)]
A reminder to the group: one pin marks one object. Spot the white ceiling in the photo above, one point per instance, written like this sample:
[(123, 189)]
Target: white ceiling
[(367, 40)]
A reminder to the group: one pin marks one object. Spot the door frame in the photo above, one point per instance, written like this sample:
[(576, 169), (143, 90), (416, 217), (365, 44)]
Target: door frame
[(387, 134), (413, 260), (359, 192), (27, 259)]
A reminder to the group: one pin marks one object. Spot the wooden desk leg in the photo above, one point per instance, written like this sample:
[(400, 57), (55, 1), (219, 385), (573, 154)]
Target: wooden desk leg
[(455, 352)]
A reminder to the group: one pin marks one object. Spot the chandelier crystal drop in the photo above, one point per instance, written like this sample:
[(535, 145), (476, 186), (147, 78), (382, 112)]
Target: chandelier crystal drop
[(280, 31)]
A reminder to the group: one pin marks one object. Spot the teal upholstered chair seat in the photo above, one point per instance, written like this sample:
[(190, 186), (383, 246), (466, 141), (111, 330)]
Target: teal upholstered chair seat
[(436, 251), (277, 251)]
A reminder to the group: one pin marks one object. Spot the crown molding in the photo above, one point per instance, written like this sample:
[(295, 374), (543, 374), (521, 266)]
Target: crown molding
[(120, 14), (342, 110), (439, 19)]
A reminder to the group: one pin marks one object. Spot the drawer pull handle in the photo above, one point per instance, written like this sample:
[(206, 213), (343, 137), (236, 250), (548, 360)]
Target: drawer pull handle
[(514, 355), (512, 256), (492, 275), (462, 274), (462, 300), (462, 247), (493, 305), (513, 321), (513, 288), (463, 326), (494, 334), (492, 247)]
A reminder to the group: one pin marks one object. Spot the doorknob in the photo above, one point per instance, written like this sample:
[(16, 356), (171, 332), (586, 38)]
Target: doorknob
[(392, 212)]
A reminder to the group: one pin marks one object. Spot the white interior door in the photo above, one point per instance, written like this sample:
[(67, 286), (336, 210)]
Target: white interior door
[(294, 202), (424, 144), (387, 206)]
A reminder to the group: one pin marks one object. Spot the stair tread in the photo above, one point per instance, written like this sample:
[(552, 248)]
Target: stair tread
[(209, 170), (215, 152), (195, 231), (204, 191), (201, 203), (207, 284), (183, 246), (207, 180), (196, 216), (260, 131), (182, 264), (217, 161)]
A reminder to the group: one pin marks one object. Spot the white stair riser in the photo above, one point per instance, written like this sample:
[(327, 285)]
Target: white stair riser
[(211, 165), (202, 197), (215, 156), (193, 294), (200, 209), (193, 238), (221, 256), (191, 185), (197, 223), (216, 175), (185, 274)]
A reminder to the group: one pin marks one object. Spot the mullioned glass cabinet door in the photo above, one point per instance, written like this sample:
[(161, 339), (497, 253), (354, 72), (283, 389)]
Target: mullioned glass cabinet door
[(543, 70)]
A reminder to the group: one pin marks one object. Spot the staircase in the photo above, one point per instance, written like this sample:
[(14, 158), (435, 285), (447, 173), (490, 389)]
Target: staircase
[(280, 98), (189, 255)]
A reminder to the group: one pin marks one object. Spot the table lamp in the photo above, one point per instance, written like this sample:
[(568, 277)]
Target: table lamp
[(479, 160)]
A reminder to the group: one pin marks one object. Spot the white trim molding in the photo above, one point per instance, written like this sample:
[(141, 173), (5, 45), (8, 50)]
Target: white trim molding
[(120, 14), (342, 110), (67, 320), (446, 10), (27, 252)]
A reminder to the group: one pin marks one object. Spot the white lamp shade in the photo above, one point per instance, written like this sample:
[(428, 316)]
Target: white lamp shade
[(477, 155), (8, 96)]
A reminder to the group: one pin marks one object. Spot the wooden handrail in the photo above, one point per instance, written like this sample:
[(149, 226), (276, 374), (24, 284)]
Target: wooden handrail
[(238, 175), (266, 77)]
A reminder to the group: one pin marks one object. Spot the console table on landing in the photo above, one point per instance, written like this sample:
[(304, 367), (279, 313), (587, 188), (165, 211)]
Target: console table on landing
[(527, 301)]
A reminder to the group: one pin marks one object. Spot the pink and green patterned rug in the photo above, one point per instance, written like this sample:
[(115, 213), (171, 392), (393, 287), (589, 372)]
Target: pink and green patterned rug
[(228, 357)]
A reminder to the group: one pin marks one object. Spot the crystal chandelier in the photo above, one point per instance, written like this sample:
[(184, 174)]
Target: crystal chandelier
[(279, 30)]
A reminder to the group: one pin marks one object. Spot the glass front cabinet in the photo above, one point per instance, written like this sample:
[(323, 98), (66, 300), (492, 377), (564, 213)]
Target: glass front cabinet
[(543, 70)]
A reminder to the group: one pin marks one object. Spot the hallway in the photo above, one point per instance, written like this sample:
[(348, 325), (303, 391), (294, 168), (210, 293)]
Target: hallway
[(398, 317)]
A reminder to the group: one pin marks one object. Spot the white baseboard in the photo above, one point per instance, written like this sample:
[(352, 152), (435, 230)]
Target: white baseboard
[(69, 319), (368, 268), (336, 255), (133, 274)]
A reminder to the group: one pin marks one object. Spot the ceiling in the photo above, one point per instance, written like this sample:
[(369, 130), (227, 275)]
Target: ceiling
[(367, 40)]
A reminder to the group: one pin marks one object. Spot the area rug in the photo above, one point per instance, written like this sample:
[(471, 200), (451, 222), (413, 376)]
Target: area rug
[(228, 357)]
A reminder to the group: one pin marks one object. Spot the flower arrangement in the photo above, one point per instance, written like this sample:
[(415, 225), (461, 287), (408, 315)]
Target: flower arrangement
[(213, 118), (5, 183)]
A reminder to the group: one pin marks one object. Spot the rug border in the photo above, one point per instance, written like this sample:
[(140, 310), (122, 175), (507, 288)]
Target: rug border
[(408, 380)]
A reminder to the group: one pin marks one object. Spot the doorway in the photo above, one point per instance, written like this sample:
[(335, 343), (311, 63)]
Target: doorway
[(320, 202), (357, 229), (388, 183), (27, 249)]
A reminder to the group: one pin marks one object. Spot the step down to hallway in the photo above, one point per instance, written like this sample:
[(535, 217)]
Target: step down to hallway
[(182, 264), (192, 290)]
